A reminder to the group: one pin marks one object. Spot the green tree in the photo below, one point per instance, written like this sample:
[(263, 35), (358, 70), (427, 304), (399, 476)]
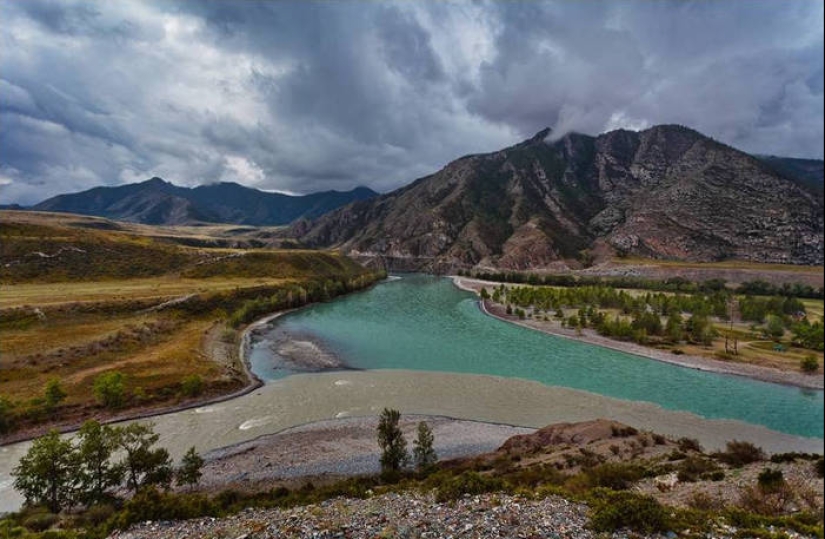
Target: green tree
[(774, 327), (47, 472), (143, 463), (110, 388), (189, 471), (484, 294), (674, 327), (423, 453), (53, 395), (391, 440), (96, 444)]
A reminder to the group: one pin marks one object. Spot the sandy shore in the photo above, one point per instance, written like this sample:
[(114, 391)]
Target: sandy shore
[(589, 336)]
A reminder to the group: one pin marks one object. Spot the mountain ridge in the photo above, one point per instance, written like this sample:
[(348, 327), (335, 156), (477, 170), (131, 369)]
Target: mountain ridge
[(156, 201), (667, 192)]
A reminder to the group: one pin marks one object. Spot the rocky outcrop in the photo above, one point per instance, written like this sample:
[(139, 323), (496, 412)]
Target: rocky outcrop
[(667, 192)]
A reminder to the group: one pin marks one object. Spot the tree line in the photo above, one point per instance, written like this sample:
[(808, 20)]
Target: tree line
[(61, 473), (672, 284)]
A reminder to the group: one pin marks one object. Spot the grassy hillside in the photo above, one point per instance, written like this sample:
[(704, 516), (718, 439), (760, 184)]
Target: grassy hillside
[(81, 303)]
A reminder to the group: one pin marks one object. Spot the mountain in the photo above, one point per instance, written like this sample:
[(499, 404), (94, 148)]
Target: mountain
[(808, 173), (156, 201), (667, 192)]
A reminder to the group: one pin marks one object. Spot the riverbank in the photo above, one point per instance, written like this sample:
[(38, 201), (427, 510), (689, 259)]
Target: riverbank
[(326, 451), (589, 336)]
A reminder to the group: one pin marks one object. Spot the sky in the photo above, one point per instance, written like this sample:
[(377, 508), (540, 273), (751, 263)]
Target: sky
[(300, 97)]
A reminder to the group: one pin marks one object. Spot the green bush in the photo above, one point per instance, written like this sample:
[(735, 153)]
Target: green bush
[(809, 363), (192, 386), (770, 479), (110, 389), (694, 468), (151, 504), (615, 476), (738, 453), (467, 483), (40, 520), (611, 511)]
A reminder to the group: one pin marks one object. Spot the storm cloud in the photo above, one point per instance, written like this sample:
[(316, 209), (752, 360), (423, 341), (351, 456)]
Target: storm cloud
[(307, 96)]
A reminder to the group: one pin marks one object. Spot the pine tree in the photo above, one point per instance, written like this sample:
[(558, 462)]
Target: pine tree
[(423, 452), (144, 464), (189, 472), (391, 440)]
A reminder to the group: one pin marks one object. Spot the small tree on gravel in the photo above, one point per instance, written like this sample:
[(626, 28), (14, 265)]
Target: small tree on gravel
[(423, 452), (393, 445), (189, 471)]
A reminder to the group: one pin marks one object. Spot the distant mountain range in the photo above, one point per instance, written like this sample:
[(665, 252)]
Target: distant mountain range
[(156, 201), (667, 192)]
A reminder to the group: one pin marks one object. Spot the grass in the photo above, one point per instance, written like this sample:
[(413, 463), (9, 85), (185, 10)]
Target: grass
[(725, 264), (90, 307)]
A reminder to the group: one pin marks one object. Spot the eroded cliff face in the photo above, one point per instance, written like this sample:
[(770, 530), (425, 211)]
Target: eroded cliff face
[(667, 192)]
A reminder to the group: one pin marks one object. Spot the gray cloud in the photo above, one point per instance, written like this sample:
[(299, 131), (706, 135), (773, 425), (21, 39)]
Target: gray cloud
[(304, 96)]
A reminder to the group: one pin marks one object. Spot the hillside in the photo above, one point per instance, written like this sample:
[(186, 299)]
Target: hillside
[(156, 201), (85, 298), (665, 193)]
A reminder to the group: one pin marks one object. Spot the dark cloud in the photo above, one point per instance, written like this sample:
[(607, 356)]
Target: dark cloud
[(304, 96)]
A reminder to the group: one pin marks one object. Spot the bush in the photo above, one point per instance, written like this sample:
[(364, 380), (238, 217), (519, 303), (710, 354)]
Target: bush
[(615, 476), (40, 520), (809, 364), (110, 388), (611, 511), (192, 385), (466, 483), (770, 479), (689, 444), (694, 468), (738, 453), (151, 504), (820, 467)]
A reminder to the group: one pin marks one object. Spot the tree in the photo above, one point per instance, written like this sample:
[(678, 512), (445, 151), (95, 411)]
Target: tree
[(109, 389), (774, 327), (143, 463), (96, 443), (189, 472), (47, 472), (53, 394), (391, 440), (423, 452)]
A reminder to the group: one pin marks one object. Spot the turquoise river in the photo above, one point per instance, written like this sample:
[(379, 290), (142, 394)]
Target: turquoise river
[(425, 323)]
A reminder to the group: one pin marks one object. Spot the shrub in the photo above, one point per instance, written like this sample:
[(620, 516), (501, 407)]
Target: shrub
[(809, 364), (705, 502), (694, 468), (40, 521), (467, 483), (110, 388), (611, 511), (738, 453), (615, 476), (689, 444), (770, 479), (192, 385)]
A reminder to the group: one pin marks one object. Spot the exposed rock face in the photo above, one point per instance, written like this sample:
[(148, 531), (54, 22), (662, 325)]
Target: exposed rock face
[(667, 192)]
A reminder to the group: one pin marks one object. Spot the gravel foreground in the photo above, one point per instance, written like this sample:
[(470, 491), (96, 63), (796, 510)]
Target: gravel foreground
[(391, 515), (402, 516)]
